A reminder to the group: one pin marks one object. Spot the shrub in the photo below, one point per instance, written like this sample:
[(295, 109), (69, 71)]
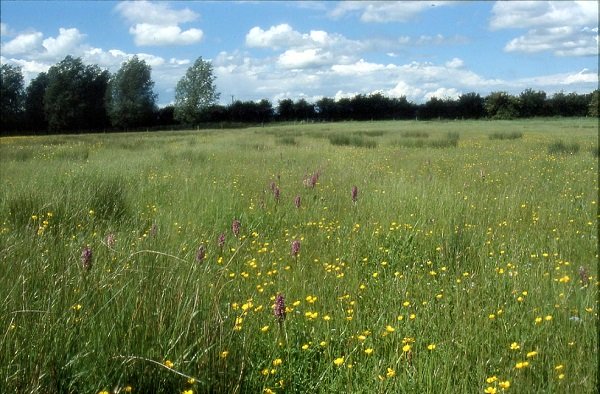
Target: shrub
[(347, 140), (560, 147), (506, 135)]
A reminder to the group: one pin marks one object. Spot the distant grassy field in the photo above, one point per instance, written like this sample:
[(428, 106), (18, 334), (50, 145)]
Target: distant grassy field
[(464, 261)]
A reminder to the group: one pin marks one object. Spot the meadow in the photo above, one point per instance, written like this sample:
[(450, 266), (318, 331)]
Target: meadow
[(357, 257)]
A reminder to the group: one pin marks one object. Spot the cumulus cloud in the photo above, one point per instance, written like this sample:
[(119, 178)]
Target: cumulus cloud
[(562, 28), (23, 43), (67, 42), (156, 24), (385, 11), (275, 37)]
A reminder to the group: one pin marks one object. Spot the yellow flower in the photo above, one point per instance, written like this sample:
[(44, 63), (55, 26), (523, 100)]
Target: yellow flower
[(559, 367), (491, 379), (389, 329), (191, 380), (264, 329), (268, 391), (431, 346), (538, 320), (361, 337), (224, 354), (305, 346), (128, 389), (277, 362), (103, 392), (522, 364), (504, 385), (561, 376), (187, 391), (169, 364), (548, 317), (339, 361), (515, 346), (532, 354), (490, 390), (369, 351), (406, 348), (390, 373)]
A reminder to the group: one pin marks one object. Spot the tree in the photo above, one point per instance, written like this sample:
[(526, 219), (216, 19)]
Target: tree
[(532, 103), (195, 92), (594, 103), (11, 95), (470, 106), (34, 103), (74, 97), (501, 105), (131, 101)]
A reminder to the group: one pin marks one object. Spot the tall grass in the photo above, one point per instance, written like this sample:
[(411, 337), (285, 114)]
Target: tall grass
[(449, 271)]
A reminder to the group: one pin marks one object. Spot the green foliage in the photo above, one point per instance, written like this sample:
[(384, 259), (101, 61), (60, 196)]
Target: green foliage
[(451, 268), (594, 106), (11, 96), (506, 135), (419, 139), (501, 105), (195, 92), (560, 147), (74, 96), (351, 140), (131, 101)]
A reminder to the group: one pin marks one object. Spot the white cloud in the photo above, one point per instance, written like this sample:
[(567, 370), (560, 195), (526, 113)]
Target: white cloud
[(23, 43), (443, 93), (4, 30), (154, 13), (455, 63), (66, 43), (146, 34), (155, 24), (385, 11), (275, 37), (564, 28), (359, 68)]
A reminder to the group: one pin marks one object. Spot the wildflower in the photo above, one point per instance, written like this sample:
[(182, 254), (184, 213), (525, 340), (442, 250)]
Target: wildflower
[(110, 240), (264, 329), (522, 364), (297, 201), (224, 354), (368, 351), (295, 247), (128, 389), (169, 364), (490, 390), (504, 384), (338, 361), (584, 276), (354, 194), (235, 227), (276, 194), (190, 391), (431, 346), (103, 392), (390, 329), (532, 354), (390, 373), (279, 308), (514, 346), (221, 240), (538, 320), (406, 348), (86, 258), (201, 253), (277, 362), (561, 376), (559, 367), (491, 379)]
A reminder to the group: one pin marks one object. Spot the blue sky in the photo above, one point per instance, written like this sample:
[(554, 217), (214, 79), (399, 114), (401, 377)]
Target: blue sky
[(277, 49)]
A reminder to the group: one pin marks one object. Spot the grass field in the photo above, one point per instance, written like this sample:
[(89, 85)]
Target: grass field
[(465, 261)]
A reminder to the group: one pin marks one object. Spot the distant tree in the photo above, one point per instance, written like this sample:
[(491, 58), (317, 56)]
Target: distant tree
[(532, 103), (130, 99), (501, 105), (285, 110), (594, 103), (303, 110), (34, 103), (12, 96), (470, 106), (195, 92), (74, 97), (165, 116)]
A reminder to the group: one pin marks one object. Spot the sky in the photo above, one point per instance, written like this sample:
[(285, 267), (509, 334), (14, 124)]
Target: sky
[(305, 49)]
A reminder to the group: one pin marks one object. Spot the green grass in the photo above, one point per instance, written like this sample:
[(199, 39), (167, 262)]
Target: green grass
[(473, 249), (506, 135)]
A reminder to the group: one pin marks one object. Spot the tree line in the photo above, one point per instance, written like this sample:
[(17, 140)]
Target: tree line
[(72, 97)]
